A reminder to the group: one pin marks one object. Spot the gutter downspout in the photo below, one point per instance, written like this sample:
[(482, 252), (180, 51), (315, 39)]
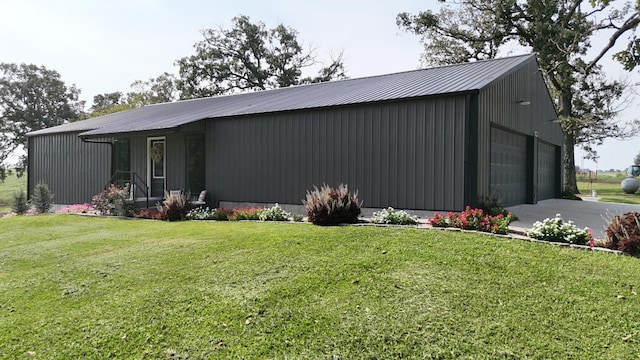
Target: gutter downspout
[(109, 142)]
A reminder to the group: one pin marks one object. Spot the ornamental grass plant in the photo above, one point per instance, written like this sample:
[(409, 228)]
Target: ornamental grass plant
[(623, 233), (329, 206)]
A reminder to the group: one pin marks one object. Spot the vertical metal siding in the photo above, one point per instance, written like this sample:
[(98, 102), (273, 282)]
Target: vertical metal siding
[(73, 170), (394, 154)]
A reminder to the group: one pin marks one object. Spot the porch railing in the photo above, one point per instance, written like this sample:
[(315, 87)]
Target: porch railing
[(137, 185)]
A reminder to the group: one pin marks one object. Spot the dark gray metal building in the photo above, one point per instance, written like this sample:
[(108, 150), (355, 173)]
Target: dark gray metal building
[(432, 139)]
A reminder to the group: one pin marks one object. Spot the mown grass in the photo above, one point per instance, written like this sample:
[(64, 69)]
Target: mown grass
[(607, 185), (11, 185), (82, 287)]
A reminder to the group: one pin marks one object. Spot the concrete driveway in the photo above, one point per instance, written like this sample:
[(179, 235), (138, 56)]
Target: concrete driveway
[(586, 213)]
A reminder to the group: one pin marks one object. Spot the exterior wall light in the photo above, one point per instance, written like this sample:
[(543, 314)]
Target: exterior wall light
[(523, 102)]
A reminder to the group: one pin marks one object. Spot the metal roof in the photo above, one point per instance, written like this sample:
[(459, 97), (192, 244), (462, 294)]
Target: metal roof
[(448, 79)]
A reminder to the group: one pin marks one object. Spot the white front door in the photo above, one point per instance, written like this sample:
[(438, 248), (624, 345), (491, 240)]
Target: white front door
[(156, 165)]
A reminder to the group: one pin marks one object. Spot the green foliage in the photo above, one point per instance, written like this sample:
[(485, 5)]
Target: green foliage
[(298, 217), (623, 233), (20, 205), (329, 206), (174, 207), (248, 57), (41, 198), (274, 213), (114, 201), (492, 205), (392, 216), (558, 230), (153, 91), (473, 219), (82, 287), (11, 185), (31, 98)]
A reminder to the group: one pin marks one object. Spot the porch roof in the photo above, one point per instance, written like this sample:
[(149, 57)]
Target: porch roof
[(458, 78)]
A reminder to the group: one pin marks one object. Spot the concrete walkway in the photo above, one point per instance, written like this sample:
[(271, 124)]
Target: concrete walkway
[(592, 214)]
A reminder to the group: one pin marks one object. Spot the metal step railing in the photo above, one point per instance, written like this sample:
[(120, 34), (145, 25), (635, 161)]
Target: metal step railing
[(122, 178)]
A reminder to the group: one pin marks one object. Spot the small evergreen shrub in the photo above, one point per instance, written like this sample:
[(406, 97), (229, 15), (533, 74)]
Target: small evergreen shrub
[(492, 205), (298, 217), (20, 204), (41, 198), (558, 230), (623, 233), (328, 206), (392, 216), (174, 208)]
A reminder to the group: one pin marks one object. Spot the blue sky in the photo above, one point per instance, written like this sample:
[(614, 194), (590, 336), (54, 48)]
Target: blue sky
[(103, 46)]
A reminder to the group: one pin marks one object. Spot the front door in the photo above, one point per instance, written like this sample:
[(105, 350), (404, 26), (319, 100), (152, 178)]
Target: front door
[(156, 165)]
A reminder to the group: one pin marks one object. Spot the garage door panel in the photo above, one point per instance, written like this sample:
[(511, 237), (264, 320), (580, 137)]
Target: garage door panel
[(547, 183), (508, 166)]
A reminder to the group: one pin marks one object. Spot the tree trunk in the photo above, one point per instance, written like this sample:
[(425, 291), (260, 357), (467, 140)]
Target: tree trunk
[(570, 186)]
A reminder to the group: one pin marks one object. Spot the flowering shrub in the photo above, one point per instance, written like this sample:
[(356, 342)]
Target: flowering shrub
[(557, 229), (222, 214), (246, 213), (623, 233), (148, 214), (473, 219), (275, 213), (113, 201), (200, 213), (76, 209), (392, 216), (328, 206)]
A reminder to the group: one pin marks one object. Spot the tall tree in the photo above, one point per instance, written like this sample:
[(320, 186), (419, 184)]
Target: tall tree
[(103, 102), (561, 33), (636, 160), (31, 98), (156, 90), (249, 57)]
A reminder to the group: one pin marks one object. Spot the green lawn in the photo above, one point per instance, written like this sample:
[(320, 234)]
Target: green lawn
[(81, 287), (11, 185), (607, 185)]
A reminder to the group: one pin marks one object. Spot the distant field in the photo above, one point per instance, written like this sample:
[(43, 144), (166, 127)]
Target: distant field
[(11, 185), (607, 186)]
